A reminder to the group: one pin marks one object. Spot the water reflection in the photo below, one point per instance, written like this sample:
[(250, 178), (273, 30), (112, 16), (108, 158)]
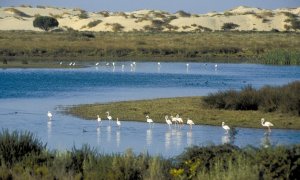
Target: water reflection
[(178, 138), (226, 139), (189, 138), (49, 129), (98, 135), (149, 137), (266, 141), (118, 137), (168, 139), (109, 134)]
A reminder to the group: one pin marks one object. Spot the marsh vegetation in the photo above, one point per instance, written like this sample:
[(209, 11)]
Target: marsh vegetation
[(23, 156), (254, 47)]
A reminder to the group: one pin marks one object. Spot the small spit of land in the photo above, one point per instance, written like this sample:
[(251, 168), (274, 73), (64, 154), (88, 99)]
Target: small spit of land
[(280, 105), (34, 161)]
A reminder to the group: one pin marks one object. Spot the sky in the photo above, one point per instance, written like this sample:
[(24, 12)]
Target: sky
[(192, 6)]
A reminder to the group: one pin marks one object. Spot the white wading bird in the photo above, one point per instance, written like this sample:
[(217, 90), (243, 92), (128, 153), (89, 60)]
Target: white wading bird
[(118, 123), (227, 128), (150, 121), (266, 124), (99, 120), (108, 117), (190, 122), (168, 121), (49, 114)]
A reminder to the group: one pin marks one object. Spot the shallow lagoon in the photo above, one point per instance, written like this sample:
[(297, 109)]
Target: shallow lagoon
[(27, 94)]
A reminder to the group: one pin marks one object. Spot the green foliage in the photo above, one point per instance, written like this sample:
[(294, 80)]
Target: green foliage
[(211, 162), (229, 26), (281, 57), (284, 99), (16, 145), (83, 15), (17, 12), (93, 23), (116, 27), (45, 22), (183, 13)]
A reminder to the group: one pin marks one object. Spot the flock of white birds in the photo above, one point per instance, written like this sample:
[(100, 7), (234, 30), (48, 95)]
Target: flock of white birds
[(132, 65), (177, 121)]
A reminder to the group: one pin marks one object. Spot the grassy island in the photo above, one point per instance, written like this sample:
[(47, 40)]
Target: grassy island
[(237, 108)]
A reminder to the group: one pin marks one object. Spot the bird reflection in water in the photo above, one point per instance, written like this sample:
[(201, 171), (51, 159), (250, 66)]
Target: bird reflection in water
[(226, 139), (118, 137), (49, 128), (266, 141), (98, 135), (178, 138), (189, 138), (109, 133), (168, 139), (149, 137)]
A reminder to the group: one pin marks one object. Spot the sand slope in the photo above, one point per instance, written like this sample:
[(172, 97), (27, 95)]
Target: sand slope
[(247, 18)]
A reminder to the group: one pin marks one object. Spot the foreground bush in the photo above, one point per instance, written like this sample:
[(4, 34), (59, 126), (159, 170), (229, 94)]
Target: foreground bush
[(210, 162), (17, 145), (283, 99)]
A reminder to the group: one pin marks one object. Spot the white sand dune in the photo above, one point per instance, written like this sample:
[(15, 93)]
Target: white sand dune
[(247, 19)]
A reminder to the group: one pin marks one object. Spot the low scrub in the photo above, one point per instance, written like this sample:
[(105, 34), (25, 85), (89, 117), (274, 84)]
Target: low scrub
[(284, 99), (15, 146), (197, 162), (93, 23), (17, 12)]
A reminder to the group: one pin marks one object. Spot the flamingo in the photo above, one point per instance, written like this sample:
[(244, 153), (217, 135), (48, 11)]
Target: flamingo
[(123, 67), (179, 119), (168, 121), (227, 128), (266, 124), (216, 66), (190, 122), (174, 119), (108, 116), (118, 123), (70, 63), (99, 120), (97, 64), (49, 114), (150, 121), (73, 63), (60, 63)]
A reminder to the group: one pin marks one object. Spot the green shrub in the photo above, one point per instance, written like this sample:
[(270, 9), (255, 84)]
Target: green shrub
[(45, 22), (229, 26), (93, 23), (116, 27), (17, 12), (183, 14), (16, 145), (283, 99)]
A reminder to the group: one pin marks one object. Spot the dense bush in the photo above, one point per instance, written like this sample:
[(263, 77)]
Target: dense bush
[(93, 23), (45, 22), (16, 145), (229, 26), (183, 13), (24, 157), (284, 99)]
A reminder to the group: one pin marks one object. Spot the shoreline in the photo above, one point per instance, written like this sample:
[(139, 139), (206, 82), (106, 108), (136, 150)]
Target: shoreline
[(191, 107)]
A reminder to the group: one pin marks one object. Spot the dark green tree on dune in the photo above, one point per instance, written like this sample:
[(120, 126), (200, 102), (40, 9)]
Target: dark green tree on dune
[(45, 22)]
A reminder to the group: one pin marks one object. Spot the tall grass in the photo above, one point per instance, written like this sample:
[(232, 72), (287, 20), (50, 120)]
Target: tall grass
[(281, 57), (16, 145), (284, 99)]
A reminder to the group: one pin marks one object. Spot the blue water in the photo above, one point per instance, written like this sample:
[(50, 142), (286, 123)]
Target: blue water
[(27, 94)]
